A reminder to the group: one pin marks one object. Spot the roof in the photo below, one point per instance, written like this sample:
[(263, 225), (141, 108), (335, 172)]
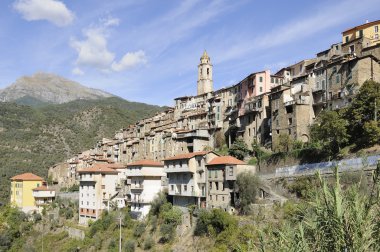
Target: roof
[(43, 188), (27, 177), (225, 160), (187, 155), (98, 168), (362, 26), (145, 163), (116, 166)]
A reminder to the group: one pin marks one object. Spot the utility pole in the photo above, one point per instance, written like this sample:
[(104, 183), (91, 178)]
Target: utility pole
[(119, 232)]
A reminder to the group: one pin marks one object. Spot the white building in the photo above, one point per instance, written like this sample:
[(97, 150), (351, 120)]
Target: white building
[(145, 179), (97, 189), (43, 196), (186, 175)]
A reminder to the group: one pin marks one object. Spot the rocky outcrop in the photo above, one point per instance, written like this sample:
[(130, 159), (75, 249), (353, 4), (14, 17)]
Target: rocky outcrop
[(49, 88)]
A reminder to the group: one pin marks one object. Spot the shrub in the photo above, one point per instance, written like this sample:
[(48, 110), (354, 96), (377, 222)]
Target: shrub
[(157, 203), (239, 149), (214, 222), (148, 243), (167, 232), (173, 216), (139, 230), (129, 246)]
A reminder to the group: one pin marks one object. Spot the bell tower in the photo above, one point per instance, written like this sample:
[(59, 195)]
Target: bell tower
[(205, 84)]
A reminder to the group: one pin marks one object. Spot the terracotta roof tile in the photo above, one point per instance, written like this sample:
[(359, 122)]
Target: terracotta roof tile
[(43, 188), (187, 155), (145, 163), (98, 168), (225, 160), (27, 177)]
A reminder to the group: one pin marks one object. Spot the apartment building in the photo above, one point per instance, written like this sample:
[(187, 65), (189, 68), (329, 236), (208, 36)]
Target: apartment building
[(43, 196), (97, 190), (145, 179), (221, 177), (369, 30), (186, 175), (22, 186)]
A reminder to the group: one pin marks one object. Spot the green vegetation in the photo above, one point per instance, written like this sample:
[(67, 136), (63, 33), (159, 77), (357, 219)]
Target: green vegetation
[(239, 149), (35, 138), (247, 184)]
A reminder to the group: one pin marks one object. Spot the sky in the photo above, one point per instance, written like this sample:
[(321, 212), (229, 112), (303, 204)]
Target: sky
[(148, 51)]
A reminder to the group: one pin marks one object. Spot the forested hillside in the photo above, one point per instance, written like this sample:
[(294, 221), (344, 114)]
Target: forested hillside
[(34, 138)]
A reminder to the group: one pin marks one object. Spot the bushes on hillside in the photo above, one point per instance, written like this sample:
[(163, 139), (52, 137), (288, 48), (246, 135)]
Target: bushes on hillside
[(239, 149), (214, 222)]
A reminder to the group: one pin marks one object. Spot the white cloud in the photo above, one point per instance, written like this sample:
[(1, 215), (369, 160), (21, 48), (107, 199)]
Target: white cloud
[(77, 71), (53, 11), (93, 51), (130, 60)]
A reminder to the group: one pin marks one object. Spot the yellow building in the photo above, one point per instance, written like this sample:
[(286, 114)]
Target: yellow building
[(22, 191), (369, 30)]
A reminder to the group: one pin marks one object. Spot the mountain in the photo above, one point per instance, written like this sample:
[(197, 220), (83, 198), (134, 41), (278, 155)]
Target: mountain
[(35, 138), (43, 88)]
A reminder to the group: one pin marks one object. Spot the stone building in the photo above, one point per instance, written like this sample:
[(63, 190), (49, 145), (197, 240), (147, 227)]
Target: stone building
[(221, 177)]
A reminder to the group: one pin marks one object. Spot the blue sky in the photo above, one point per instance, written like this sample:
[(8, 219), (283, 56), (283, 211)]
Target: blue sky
[(148, 51)]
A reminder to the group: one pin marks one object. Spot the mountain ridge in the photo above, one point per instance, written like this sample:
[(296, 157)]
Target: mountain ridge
[(49, 88)]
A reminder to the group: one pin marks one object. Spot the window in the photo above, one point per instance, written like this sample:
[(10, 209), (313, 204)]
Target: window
[(352, 49), (376, 28), (260, 79), (216, 173), (346, 39), (209, 173), (376, 36), (360, 33), (104, 187), (261, 89), (199, 163), (290, 120), (231, 170), (210, 185), (337, 79), (208, 71), (271, 80), (185, 188), (172, 187)]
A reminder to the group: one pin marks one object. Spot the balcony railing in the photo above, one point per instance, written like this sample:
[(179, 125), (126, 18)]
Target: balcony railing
[(137, 187)]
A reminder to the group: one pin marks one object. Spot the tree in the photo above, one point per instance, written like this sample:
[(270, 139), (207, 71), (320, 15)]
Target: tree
[(247, 185), (331, 131), (371, 133), (258, 153), (239, 149), (362, 111)]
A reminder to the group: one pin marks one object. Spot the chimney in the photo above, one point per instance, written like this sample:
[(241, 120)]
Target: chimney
[(367, 21)]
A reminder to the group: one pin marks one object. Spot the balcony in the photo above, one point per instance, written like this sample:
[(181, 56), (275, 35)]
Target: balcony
[(317, 90), (44, 194), (302, 101), (87, 178), (250, 108), (137, 200), (137, 187), (289, 103), (177, 168)]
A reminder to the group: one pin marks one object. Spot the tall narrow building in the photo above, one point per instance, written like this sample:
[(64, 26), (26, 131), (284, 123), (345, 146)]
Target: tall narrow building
[(205, 84)]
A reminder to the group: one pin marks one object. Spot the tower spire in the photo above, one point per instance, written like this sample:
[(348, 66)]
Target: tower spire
[(205, 83)]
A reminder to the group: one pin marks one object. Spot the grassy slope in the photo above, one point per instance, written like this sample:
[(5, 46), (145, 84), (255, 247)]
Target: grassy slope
[(34, 138)]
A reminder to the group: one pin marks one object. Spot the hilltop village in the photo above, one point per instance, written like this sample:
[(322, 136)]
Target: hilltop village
[(174, 150)]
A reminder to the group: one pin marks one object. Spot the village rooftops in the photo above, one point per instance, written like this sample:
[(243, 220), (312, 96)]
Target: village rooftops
[(99, 168), (359, 27), (27, 177), (187, 155), (226, 160), (150, 163)]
